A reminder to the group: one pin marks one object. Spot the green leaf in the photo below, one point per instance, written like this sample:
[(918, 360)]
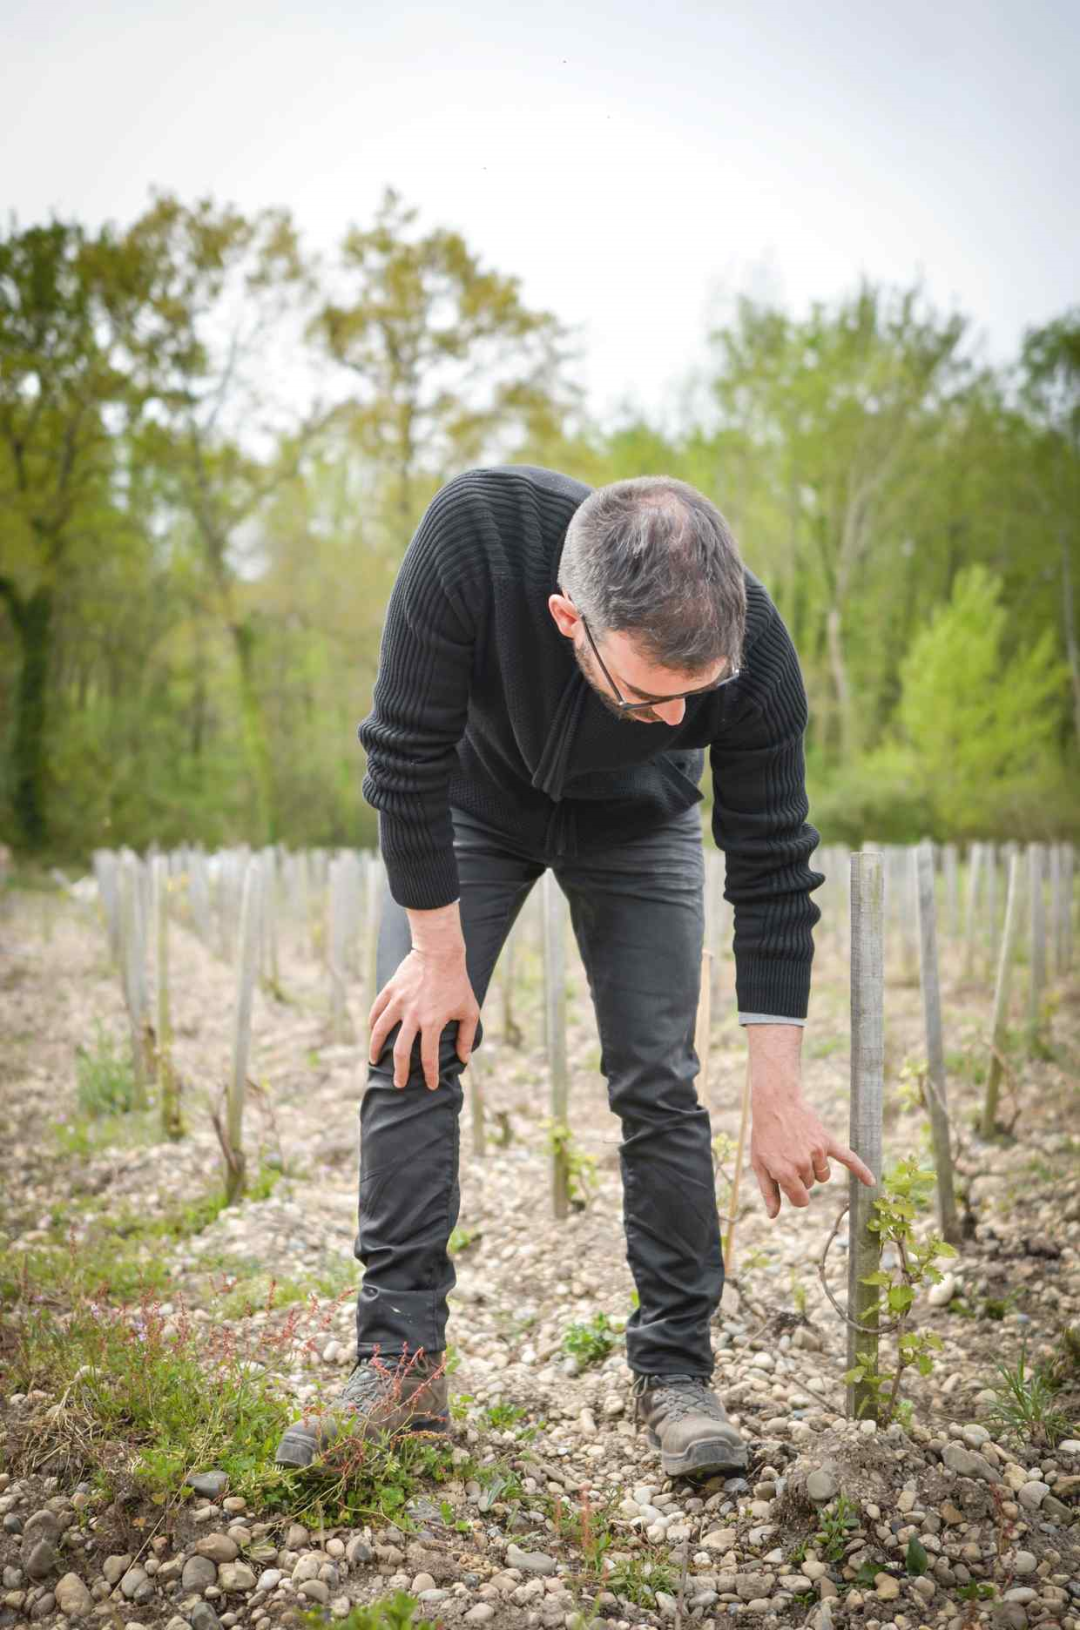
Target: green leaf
[(901, 1298), (916, 1559), (855, 1375), (878, 1278)]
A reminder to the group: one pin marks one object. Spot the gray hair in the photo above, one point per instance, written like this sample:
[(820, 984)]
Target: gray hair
[(654, 558)]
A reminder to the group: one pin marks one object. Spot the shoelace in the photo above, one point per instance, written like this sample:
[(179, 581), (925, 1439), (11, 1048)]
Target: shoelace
[(686, 1395), (365, 1382)]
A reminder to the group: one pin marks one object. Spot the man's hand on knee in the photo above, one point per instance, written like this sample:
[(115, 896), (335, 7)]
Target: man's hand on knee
[(428, 991)]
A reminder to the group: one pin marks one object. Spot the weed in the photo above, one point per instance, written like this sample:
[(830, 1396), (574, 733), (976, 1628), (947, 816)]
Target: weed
[(1024, 1403), (838, 1519), (389, 1613), (977, 1591), (105, 1079), (580, 1167), (586, 1526), (638, 1580), (461, 1239), (590, 1343), (502, 1416)]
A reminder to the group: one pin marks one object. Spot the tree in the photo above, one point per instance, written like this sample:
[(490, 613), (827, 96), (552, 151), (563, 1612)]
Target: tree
[(1050, 368), (63, 389), (449, 362), (981, 728), (843, 410), (217, 351)]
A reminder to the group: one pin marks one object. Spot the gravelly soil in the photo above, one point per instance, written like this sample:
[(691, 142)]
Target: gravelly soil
[(523, 1277)]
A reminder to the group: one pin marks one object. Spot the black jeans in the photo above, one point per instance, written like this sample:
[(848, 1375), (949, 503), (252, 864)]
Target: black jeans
[(638, 916)]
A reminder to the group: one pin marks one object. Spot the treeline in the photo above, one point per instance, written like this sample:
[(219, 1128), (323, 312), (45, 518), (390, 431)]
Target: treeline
[(214, 448)]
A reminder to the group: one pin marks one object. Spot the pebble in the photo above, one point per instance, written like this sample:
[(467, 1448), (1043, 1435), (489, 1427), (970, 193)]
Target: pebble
[(218, 1547), (941, 1294), (529, 1561), (236, 1576), (210, 1484), (1033, 1494), (886, 1586), (72, 1596), (480, 1614), (199, 1571), (821, 1485)]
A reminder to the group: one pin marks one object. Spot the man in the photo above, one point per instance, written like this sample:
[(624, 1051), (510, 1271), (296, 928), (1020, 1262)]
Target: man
[(554, 664)]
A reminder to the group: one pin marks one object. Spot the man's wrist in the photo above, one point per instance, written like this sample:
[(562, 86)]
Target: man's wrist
[(437, 934)]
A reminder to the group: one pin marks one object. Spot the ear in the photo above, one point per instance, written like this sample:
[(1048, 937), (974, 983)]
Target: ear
[(565, 613)]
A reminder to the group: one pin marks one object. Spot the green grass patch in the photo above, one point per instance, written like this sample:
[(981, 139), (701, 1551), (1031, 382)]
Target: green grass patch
[(590, 1342)]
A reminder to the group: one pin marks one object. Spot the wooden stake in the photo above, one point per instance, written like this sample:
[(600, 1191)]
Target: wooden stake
[(999, 1021), (736, 1178), (937, 1091), (703, 1026), (167, 1084), (1037, 918), (865, 1137), (133, 970), (245, 988), (971, 903), (555, 1025)]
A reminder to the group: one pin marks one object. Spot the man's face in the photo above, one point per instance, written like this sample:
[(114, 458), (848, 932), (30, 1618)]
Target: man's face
[(633, 673)]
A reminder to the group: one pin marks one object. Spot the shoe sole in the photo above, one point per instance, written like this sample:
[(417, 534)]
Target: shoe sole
[(299, 1448), (706, 1459)]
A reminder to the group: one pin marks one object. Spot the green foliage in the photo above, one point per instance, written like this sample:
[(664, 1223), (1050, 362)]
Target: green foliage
[(915, 1558), (903, 1194), (981, 726), (837, 1521), (1024, 1403), (638, 1580), (396, 1612), (590, 1343), (580, 1167), (104, 1077), (195, 571)]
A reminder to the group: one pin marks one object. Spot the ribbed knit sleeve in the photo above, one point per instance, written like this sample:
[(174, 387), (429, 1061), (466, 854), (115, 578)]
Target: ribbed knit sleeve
[(420, 706), (759, 820)]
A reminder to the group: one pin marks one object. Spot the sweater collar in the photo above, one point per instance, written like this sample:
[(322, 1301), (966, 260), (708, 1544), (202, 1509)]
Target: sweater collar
[(550, 773)]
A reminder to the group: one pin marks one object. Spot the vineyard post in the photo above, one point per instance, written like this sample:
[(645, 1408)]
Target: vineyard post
[(703, 1026), (971, 908), (1001, 996), (245, 989), (168, 1087), (105, 870), (336, 908), (865, 1138), (937, 1093), (555, 1027), (948, 870), (991, 897), (1037, 920), (1065, 920), (133, 972)]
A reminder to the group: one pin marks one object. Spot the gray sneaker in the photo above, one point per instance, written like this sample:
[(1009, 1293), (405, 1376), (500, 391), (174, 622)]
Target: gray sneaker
[(689, 1426), (380, 1397)]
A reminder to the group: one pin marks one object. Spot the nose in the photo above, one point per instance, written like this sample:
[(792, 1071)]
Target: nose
[(670, 712)]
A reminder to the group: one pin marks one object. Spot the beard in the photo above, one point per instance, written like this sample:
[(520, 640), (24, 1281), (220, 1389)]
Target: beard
[(595, 681)]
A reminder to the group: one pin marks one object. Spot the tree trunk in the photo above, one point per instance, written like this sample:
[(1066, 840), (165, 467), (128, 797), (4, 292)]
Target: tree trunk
[(842, 686), (32, 618), (255, 742)]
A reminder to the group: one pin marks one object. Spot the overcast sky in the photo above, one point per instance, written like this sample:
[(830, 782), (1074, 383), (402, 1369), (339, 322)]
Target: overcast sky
[(633, 163)]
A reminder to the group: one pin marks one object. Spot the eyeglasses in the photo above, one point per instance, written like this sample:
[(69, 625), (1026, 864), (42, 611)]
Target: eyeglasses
[(631, 707)]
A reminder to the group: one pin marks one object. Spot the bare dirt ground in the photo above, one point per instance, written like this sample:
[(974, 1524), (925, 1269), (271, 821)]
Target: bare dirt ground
[(524, 1278)]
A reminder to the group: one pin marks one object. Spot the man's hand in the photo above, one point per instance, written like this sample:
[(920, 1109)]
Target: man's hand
[(790, 1149), (427, 991)]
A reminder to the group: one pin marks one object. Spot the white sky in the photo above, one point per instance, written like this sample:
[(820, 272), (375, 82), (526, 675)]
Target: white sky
[(632, 163)]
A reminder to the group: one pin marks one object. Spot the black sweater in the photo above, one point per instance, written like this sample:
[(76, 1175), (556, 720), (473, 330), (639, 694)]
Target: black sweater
[(479, 703)]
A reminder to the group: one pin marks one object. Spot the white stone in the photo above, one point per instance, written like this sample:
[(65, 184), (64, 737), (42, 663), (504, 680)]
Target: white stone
[(1033, 1494), (940, 1295)]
